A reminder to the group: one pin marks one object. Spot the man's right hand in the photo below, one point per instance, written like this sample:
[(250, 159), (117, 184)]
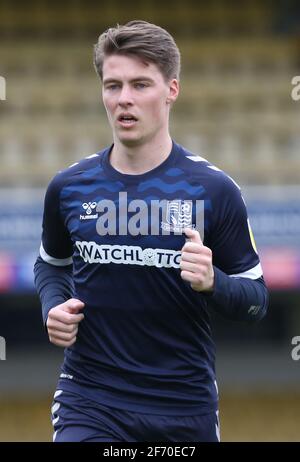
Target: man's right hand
[(62, 322)]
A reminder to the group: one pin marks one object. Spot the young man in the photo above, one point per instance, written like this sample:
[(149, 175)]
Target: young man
[(141, 241)]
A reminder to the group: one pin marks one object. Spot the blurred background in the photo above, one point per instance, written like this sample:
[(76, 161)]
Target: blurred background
[(235, 109)]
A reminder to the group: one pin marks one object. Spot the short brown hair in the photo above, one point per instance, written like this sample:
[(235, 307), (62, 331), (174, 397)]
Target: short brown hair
[(144, 40)]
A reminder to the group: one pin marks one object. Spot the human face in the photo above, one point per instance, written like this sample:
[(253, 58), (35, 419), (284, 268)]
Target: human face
[(137, 99)]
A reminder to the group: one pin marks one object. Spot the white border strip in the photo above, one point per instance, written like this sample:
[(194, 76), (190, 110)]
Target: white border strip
[(54, 261), (196, 158), (252, 273)]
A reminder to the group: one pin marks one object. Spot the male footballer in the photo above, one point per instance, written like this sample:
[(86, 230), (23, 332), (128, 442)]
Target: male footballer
[(141, 242)]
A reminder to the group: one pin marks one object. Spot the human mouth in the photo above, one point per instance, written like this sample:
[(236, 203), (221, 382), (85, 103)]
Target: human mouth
[(127, 120)]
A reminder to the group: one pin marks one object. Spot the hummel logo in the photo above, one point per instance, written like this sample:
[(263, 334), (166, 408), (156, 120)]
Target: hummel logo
[(88, 207)]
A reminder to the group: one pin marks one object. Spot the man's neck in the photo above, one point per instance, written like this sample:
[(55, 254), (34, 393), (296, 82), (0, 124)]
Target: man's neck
[(136, 160)]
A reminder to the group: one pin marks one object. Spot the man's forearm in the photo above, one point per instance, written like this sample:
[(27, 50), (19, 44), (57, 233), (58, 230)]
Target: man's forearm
[(54, 284), (239, 299)]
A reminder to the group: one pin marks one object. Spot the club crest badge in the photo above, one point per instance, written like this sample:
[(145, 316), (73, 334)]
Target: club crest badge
[(179, 215)]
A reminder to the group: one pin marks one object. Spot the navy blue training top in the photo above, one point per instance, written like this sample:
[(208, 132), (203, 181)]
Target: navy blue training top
[(145, 343)]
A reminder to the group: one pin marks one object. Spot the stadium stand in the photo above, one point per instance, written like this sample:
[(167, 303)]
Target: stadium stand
[(235, 106)]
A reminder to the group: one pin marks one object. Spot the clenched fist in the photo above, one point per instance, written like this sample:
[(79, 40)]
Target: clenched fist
[(62, 322)]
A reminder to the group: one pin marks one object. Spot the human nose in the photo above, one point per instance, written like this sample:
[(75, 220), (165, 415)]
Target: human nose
[(125, 96)]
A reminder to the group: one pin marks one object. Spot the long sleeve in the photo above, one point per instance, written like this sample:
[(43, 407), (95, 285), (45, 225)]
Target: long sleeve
[(53, 269), (54, 284), (240, 299), (239, 292)]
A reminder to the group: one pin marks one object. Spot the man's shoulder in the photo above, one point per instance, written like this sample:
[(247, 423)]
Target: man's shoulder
[(203, 170), (83, 167)]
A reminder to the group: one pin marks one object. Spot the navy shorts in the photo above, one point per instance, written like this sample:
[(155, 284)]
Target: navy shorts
[(75, 418)]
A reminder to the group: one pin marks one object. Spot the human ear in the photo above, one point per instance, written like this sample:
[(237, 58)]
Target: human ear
[(173, 91)]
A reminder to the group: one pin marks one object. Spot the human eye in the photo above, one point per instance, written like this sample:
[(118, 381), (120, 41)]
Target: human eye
[(112, 86), (141, 85)]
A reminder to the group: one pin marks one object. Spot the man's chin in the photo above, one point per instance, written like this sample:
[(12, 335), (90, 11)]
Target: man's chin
[(131, 142)]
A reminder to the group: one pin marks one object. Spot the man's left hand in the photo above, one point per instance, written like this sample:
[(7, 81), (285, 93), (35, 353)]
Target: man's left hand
[(196, 262)]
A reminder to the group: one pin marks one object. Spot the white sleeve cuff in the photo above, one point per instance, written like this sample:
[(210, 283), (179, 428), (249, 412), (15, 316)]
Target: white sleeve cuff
[(54, 261), (252, 273)]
